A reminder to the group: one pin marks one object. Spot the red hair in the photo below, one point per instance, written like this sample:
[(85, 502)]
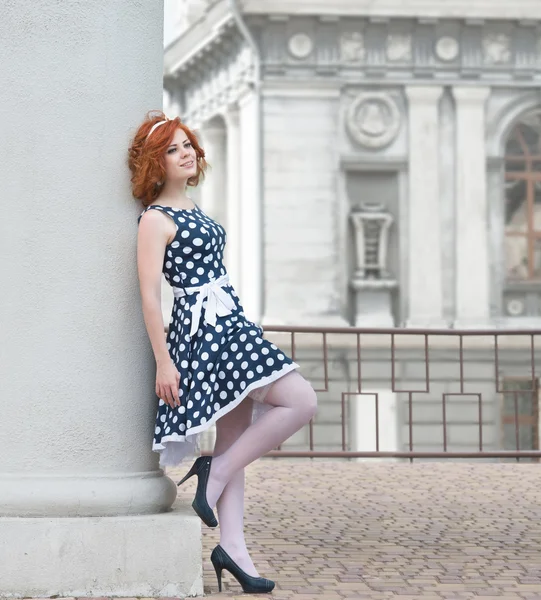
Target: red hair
[(146, 157)]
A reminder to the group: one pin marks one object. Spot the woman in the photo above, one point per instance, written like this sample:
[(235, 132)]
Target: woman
[(214, 362)]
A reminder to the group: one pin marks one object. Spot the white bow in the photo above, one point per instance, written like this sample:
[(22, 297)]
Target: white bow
[(219, 302)]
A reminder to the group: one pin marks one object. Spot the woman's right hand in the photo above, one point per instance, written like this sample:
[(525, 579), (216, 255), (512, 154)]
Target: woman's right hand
[(168, 383)]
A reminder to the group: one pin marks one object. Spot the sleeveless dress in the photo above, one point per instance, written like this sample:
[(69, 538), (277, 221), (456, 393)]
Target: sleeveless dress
[(222, 357)]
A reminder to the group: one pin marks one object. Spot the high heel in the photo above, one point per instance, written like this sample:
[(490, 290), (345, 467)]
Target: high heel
[(251, 585), (201, 468)]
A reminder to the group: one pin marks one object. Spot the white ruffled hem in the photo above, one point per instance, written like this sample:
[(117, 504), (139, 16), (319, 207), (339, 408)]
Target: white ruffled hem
[(174, 448)]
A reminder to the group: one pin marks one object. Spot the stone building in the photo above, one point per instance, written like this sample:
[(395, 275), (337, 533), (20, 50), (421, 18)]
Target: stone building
[(375, 164)]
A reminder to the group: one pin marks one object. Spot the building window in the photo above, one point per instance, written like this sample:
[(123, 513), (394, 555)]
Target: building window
[(523, 200), (520, 415)]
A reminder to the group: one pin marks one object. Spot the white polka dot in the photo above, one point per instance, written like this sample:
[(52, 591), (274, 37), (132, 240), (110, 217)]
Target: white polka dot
[(157, 430), (203, 419), (244, 365), (254, 356), (270, 361), (188, 423), (216, 406), (185, 234), (198, 242), (250, 374), (235, 374), (223, 395), (182, 410), (196, 414), (214, 347), (182, 427)]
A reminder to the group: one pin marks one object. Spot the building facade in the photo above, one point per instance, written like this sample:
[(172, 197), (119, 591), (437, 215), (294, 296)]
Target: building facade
[(374, 163)]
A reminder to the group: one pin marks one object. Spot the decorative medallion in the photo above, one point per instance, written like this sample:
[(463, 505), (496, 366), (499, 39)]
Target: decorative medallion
[(352, 47), (300, 45), (515, 307), (373, 119), (497, 49), (447, 48), (399, 48)]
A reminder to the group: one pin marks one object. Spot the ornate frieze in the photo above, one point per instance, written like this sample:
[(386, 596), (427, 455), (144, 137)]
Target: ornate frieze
[(424, 47), (497, 49), (373, 119), (352, 47), (447, 48), (399, 48), (300, 45)]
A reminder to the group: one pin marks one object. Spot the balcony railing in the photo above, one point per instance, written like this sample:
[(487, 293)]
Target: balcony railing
[(415, 393)]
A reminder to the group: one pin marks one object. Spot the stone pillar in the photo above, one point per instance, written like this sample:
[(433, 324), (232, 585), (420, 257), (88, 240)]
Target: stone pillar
[(84, 508), (425, 293), (472, 263), (233, 247), (213, 188), (251, 205)]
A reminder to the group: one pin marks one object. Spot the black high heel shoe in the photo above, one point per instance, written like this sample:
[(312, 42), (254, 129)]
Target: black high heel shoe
[(201, 468), (251, 585)]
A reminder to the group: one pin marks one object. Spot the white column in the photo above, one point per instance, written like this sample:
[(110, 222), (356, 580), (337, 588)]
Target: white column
[(213, 188), (472, 264), (233, 247), (82, 499), (251, 205), (425, 294)]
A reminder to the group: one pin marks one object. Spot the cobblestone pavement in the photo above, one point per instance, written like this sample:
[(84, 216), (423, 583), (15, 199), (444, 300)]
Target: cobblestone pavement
[(377, 531), (331, 530)]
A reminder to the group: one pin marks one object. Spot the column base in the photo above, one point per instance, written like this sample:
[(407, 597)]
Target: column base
[(149, 556)]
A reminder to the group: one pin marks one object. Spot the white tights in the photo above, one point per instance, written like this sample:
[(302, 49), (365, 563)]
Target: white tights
[(239, 442)]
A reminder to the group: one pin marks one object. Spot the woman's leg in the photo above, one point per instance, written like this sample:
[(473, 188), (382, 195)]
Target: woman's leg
[(231, 503), (294, 403)]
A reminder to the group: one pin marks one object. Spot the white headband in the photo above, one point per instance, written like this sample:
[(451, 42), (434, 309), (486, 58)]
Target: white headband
[(155, 126)]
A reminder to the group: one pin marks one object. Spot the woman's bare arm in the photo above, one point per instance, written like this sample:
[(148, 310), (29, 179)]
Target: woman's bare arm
[(153, 235)]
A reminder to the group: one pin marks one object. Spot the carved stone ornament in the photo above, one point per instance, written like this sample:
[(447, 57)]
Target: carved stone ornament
[(399, 48), (447, 48), (352, 47), (497, 49), (300, 45), (515, 307), (373, 119)]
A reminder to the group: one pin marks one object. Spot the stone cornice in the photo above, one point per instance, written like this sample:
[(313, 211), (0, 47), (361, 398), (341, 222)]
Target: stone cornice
[(439, 9), (201, 35)]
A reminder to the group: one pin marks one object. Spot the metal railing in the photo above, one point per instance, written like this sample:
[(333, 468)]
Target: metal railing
[(509, 351)]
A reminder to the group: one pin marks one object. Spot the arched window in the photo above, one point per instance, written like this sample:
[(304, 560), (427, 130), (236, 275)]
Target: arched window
[(523, 200)]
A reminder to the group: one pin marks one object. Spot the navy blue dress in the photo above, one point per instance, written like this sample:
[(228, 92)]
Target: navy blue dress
[(221, 356)]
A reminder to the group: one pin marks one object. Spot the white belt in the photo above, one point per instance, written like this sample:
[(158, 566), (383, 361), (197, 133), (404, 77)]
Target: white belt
[(219, 302)]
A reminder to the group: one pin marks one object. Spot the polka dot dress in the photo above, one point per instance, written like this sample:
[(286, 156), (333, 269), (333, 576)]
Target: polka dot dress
[(221, 356)]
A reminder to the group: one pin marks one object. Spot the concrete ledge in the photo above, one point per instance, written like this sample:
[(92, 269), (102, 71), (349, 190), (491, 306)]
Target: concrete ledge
[(146, 555)]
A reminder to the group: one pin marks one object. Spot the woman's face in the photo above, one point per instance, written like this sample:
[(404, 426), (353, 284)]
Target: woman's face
[(180, 158)]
